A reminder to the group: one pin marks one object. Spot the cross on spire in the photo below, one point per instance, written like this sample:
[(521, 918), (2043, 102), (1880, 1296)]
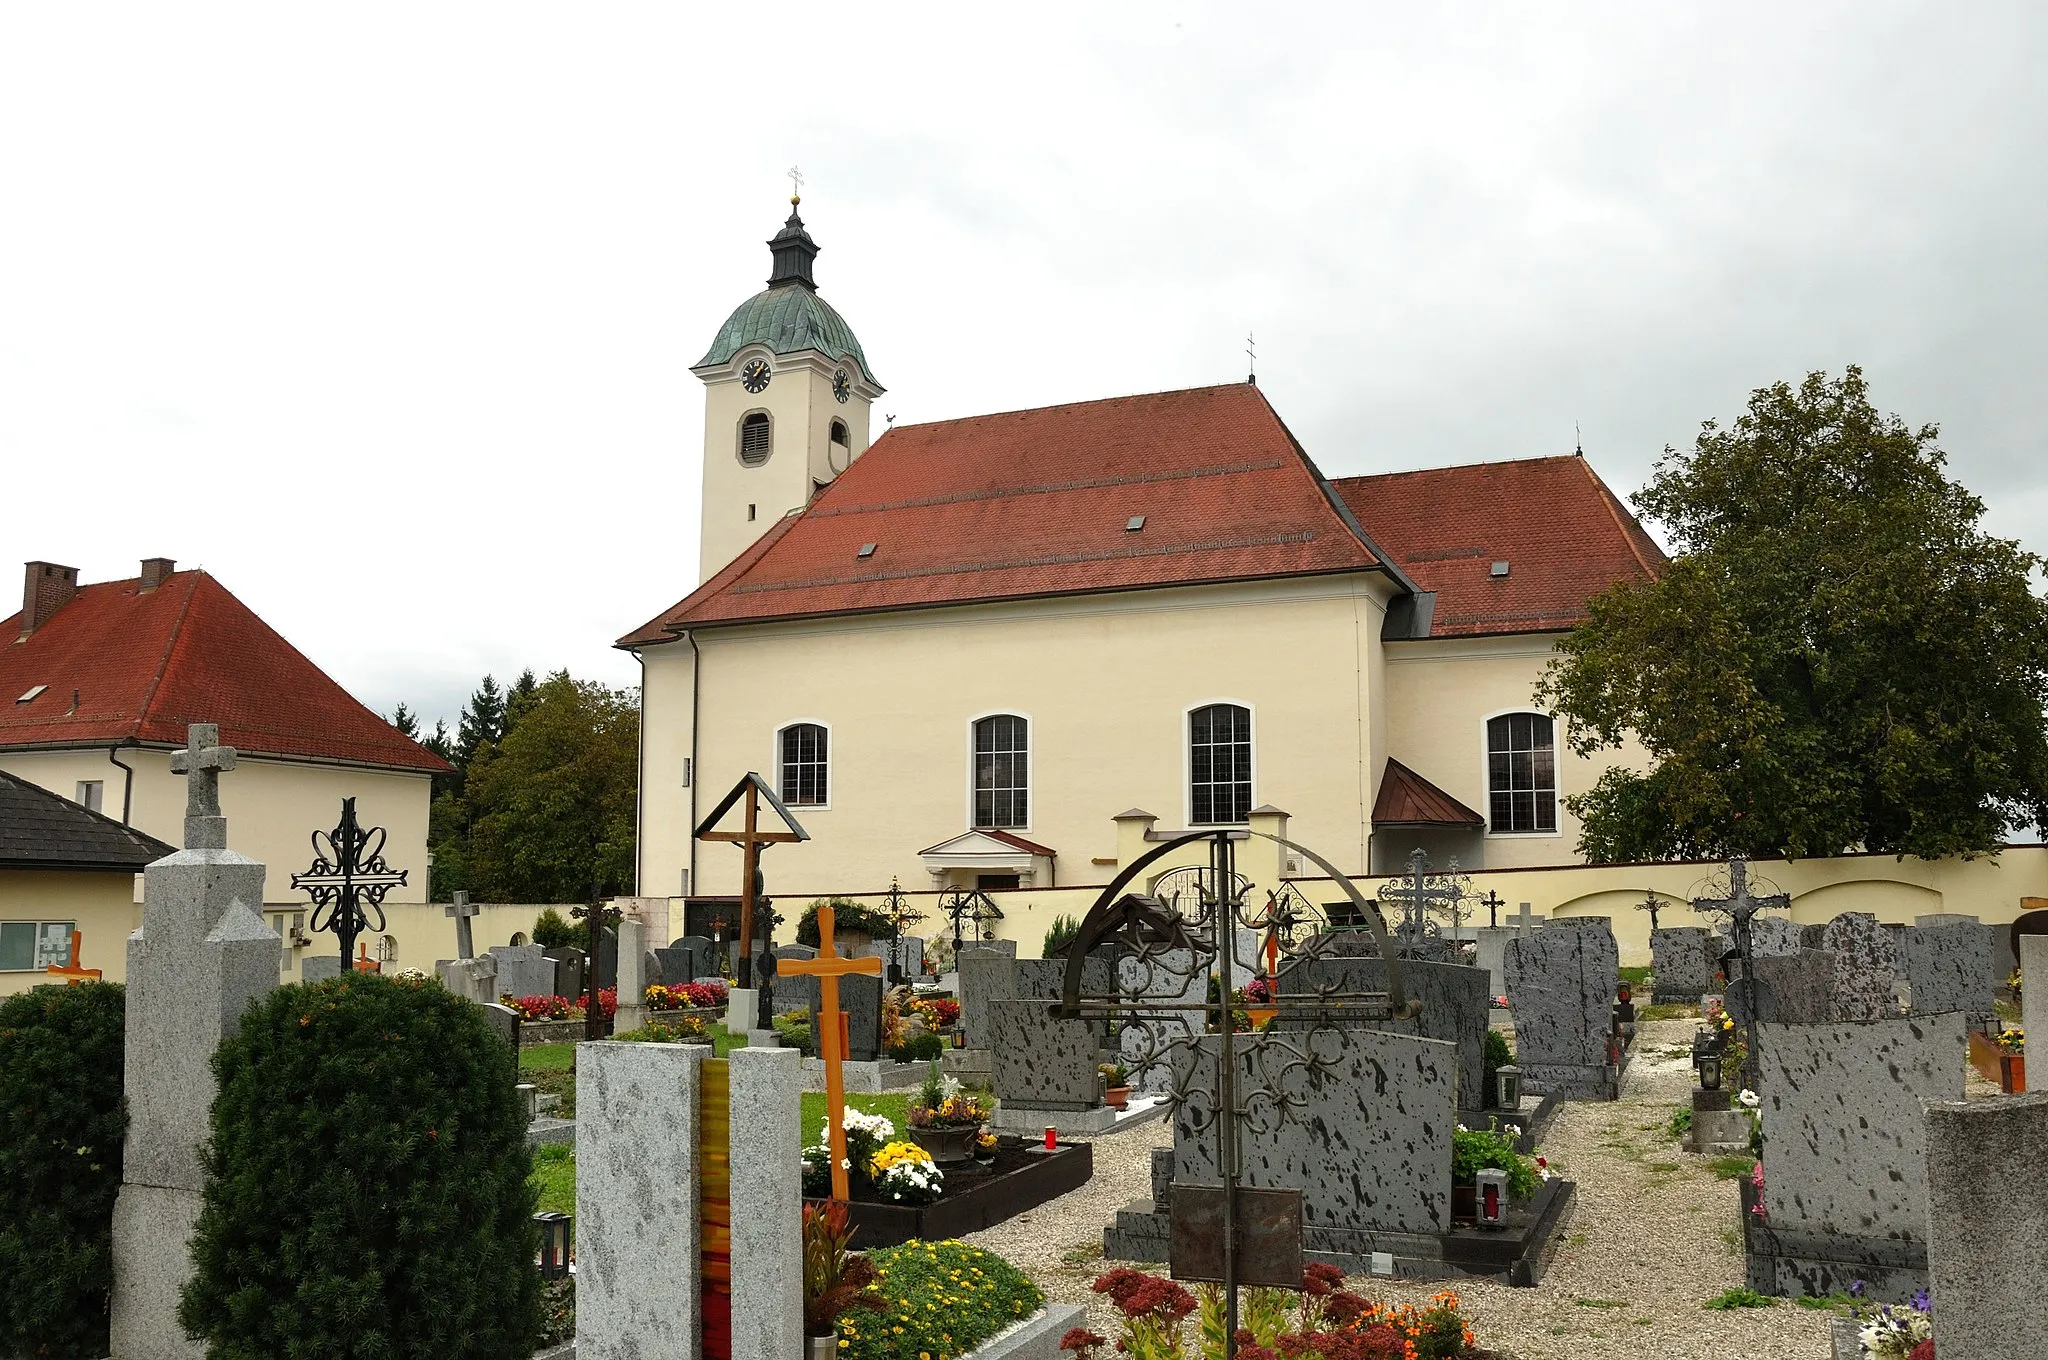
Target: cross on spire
[(796, 185), (202, 762)]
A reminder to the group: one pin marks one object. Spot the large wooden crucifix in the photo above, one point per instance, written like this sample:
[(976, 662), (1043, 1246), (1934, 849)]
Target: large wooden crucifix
[(752, 839), (828, 968)]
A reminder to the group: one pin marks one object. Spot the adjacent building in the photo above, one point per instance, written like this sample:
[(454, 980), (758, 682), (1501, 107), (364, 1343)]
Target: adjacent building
[(99, 681)]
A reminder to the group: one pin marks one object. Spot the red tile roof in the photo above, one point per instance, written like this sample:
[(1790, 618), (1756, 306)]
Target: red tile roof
[(1035, 503), (1407, 799), (1563, 534), (146, 664)]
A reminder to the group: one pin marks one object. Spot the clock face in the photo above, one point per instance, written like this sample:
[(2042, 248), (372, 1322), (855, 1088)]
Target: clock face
[(842, 386), (754, 376)]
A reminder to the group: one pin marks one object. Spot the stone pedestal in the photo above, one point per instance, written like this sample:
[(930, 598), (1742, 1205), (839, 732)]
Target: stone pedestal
[(1987, 1226), (742, 1006), (2034, 998), (632, 1010), (766, 1157)]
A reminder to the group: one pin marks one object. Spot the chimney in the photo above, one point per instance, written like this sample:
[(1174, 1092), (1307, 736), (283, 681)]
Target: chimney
[(154, 570), (45, 589)]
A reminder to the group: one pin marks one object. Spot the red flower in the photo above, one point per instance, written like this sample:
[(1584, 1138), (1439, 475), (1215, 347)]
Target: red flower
[(1320, 1280), (1137, 1294), (1923, 1351), (1080, 1340)]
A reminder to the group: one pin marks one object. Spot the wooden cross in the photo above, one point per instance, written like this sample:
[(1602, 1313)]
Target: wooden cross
[(73, 972), (752, 840), (828, 968), (364, 963)]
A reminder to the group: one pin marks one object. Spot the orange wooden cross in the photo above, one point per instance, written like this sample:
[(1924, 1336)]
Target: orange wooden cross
[(828, 968), (364, 963), (1262, 1015), (73, 973)]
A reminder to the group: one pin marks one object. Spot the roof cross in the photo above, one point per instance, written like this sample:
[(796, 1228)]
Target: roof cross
[(796, 184)]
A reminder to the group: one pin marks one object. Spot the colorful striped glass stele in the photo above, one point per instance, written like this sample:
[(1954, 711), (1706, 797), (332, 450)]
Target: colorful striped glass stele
[(714, 1213)]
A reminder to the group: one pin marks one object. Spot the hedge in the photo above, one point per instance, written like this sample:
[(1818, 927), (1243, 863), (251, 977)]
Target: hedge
[(367, 1190), (61, 1129)]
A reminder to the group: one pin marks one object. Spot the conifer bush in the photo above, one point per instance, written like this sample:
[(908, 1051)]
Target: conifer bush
[(366, 1189), (61, 1129)]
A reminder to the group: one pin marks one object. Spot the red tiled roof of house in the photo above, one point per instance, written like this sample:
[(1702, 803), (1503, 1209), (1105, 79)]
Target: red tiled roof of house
[(145, 664), (1407, 799), (1563, 534), (1032, 503)]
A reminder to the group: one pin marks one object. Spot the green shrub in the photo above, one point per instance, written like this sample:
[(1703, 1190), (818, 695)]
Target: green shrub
[(1681, 1123), (846, 915), (922, 1047), (1064, 929), (1475, 1150), (1740, 1297), (795, 1034), (946, 1297), (61, 1129), (366, 1188), (551, 930)]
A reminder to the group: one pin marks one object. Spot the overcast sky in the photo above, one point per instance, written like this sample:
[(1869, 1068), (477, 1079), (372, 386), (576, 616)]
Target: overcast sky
[(383, 313)]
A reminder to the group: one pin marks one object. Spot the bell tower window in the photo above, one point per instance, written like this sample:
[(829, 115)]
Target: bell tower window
[(757, 438), (839, 435)]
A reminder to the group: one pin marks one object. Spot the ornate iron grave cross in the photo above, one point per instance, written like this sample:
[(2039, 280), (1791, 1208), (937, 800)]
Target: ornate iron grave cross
[(1493, 904), (1419, 894), (1740, 906), (602, 916), (901, 914), (1652, 906), (1218, 1076), (969, 904), (348, 880)]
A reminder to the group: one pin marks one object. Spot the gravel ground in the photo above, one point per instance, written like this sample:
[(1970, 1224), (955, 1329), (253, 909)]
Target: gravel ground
[(1653, 1235)]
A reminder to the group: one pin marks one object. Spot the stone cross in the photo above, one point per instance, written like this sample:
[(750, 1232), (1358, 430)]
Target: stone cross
[(75, 971), (1522, 920), (828, 968), (1651, 905), (462, 909), (202, 762)]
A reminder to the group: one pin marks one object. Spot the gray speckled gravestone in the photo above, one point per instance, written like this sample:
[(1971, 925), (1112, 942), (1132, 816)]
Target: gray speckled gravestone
[(524, 970), (1775, 935), (1371, 1149), (796, 991), (1454, 1007), (1682, 962), (1948, 967), (1561, 985), (1987, 1248), (1045, 977), (1866, 967), (569, 965), (319, 967), (985, 976), (1175, 978), (860, 996), (1845, 1150), (1042, 1062), (1791, 989)]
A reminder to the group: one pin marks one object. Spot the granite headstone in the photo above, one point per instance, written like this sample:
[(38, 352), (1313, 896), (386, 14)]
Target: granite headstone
[(985, 976), (1948, 968), (1682, 964), (1866, 967), (1561, 986), (1042, 1062), (524, 970), (1454, 999), (860, 997)]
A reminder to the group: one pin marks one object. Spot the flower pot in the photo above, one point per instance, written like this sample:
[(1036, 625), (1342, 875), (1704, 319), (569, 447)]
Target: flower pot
[(948, 1146), (1464, 1203), (821, 1347), (1116, 1097)]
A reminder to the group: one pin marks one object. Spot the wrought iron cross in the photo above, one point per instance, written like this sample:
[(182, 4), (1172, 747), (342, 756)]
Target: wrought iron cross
[(348, 880), (1652, 906), (896, 906), (1493, 904), (969, 904), (601, 916), (1418, 896), (1740, 906)]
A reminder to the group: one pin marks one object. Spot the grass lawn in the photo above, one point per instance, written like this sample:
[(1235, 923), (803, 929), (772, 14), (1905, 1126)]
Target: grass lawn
[(892, 1104), (554, 1175), (547, 1058)]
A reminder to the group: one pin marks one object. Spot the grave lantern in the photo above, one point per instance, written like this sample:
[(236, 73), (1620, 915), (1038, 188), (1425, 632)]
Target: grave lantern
[(1707, 1048), (1507, 1087), (554, 1244), (1491, 1186)]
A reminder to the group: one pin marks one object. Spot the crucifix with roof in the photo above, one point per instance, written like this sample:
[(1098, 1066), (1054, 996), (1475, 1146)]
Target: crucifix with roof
[(752, 838)]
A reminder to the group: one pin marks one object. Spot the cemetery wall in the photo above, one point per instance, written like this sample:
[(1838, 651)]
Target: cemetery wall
[(425, 934), (275, 806), (102, 906)]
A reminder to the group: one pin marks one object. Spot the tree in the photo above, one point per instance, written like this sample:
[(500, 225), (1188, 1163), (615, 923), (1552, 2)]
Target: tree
[(1838, 659), (519, 698), (483, 722), (406, 721), (552, 804)]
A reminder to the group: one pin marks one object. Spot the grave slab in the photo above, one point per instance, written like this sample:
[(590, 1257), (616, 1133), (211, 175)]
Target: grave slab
[(860, 998), (1455, 1007), (1987, 1226), (1948, 968), (2034, 999), (985, 976), (1791, 989), (524, 970), (766, 1197), (1866, 967), (1682, 963), (1561, 983), (1042, 1062)]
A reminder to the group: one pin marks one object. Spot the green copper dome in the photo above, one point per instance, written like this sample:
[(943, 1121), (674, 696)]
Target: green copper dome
[(786, 318), (788, 315)]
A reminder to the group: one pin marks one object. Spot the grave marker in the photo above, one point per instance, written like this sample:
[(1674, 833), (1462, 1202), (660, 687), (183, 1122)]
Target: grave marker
[(74, 970), (1561, 992), (1866, 979), (828, 968), (464, 911)]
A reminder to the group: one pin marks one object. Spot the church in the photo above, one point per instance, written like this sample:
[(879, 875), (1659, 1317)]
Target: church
[(988, 652)]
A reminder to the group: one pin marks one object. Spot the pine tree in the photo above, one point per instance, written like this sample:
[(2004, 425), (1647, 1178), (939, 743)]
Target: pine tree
[(406, 721), (519, 698), (483, 722)]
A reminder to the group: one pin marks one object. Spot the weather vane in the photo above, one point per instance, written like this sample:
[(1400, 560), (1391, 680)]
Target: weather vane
[(796, 185)]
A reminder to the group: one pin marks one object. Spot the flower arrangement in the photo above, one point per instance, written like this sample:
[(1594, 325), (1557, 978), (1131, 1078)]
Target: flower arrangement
[(985, 1143), (905, 1173), (939, 1012), (1895, 1332), (682, 1029), (685, 995), (608, 1001), (2012, 1041), (539, 1007), (865, 1135), (1476, 1150), (1320, 1321)]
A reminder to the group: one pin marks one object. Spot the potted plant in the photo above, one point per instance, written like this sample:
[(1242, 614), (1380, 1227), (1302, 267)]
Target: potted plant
[(1476, 1150), (946, 1119), (1116, 1091), (835, 1279), (985, 1148), (2012, 1061)]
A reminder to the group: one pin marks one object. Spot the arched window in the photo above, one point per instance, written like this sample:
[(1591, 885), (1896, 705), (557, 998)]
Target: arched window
[(1219, 764), (757, 438), (804, 765), (839, 435), (1002, 771), (1521, 773), (387, 949)]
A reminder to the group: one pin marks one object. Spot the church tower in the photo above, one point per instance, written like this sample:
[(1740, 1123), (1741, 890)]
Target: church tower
[(787, 394)]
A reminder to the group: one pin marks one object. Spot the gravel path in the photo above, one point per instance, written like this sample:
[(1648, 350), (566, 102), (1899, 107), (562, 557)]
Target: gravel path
[(1653, 1235)]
